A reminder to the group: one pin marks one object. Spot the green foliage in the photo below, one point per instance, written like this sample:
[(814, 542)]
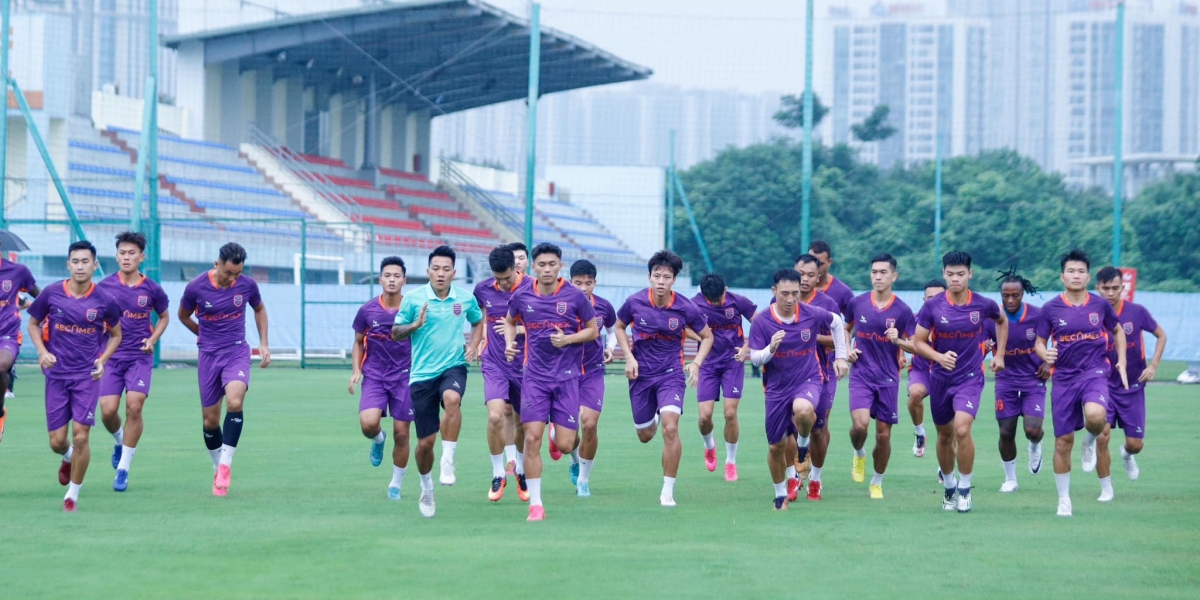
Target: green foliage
[(999, 206), (791, 111), (874, 128)]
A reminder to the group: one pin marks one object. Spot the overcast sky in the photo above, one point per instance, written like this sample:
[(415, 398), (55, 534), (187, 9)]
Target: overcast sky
[(748, 45)]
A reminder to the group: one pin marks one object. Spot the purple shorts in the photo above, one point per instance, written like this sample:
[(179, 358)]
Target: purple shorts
[(1127, 409), (219, 370), (949, 397), (1067, 400), (780, 409), (918, 377), (649, 397), (591, 390), (725, 379), (71, 400), (501, 384), (828, 391), (551, 402), (11, 346), (127, 375), (881, 400), (391, 397), (1027, 402)]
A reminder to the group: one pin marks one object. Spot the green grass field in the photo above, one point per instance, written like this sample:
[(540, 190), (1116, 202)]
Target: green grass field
[(307, 516)]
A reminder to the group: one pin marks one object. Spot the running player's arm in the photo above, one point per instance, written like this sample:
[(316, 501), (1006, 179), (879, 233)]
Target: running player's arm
[(762, 348), (161, 302), (1119, 336), (1152, 368), (38, 312), (408, 319), (1042, 329), (30, 288), (706, 342), (356, 351), (187, 311), (839, 331), (510, 322), (852, 353), (474, 314), (624, 317), (112, 321), (260, 321), (1001, 342)]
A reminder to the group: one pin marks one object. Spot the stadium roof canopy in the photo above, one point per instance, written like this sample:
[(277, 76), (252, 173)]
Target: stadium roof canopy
[(449, 55)]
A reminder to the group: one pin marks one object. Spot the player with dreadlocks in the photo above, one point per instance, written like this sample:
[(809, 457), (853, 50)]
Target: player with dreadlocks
[(1021, 386)]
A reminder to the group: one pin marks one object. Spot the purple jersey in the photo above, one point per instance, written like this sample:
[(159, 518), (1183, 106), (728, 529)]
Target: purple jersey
[(958, 328), (1021, 363), (137, 303), (606, 316), (725, 321), (1081, 335), (795, 361), (879, 358), (15, 278), (820, 300), (494, 303), (74, 328), (567, 309), (658, 332), (839, 292), (221, 312), (1135, 320), (383, 357)]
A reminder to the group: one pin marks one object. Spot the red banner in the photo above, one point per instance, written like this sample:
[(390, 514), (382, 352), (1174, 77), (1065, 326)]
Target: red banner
[(1129, 279)]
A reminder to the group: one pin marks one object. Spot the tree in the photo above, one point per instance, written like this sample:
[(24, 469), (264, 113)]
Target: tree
[(874, 128), (791, 111), (1163, 221)]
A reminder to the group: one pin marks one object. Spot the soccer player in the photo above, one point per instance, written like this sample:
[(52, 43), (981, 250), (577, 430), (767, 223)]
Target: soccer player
[(918, 379), (591, 384), (434, 317), (814, 447), (15, 279), (513, 437), (1021, 386), (559, 320), (955, 320), (882, 325), (382, 366), (67, 326), (783, 340), (654, 360), (829, 285), (1127, 408), (218, 300), (724, 371), (1079, 323), (501, 377), (132, 366)]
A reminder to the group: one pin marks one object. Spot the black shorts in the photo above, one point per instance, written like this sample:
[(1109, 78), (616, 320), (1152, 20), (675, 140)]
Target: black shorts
[(427, 398)]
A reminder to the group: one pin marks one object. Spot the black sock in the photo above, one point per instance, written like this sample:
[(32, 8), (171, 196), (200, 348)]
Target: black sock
[(212, 438), (233, 428)]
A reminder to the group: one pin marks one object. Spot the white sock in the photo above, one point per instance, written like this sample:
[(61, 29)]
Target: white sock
[(1106, 484), (448, 449), (73, 491), (919, 429), (227, 453), (860, 452), (427, 481), (877, 478), (585, 469), (1035, 447), (731, 453), (575, 455), (520, 469), (1125, 453), (119, 435), (1062, 481), (398, 477), (216, 457), (1090, 438), (709, 442), (950, 481), (791, 472), (781, 488), (803, 441), (814, 474), (69, 453), (535, 491), (964, 481), (1010, 470), (378, 439), (126, 458), (668, 487), (510, 452), (498, 465)]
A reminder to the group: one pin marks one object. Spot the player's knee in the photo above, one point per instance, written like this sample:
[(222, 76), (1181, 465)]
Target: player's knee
[(451, 400), (1063, 444), (400, 437), (1033, 432), (1133, 445), (58, 442), (670, 430), (496, 419), (79, 437), (425, 444), (730, 411), (883, 436), (962, 431), (133, 411)]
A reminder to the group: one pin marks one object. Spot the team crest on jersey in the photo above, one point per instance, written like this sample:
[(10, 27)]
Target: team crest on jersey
[(974, 317), (143, 301), (237, 299), (1094, 318), (729, 312), (561, 308), (92, 314), (1029, 334), (457, 308), (6, 285), (1128, 328), (673, 324), (891, 323), (806, 335)]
